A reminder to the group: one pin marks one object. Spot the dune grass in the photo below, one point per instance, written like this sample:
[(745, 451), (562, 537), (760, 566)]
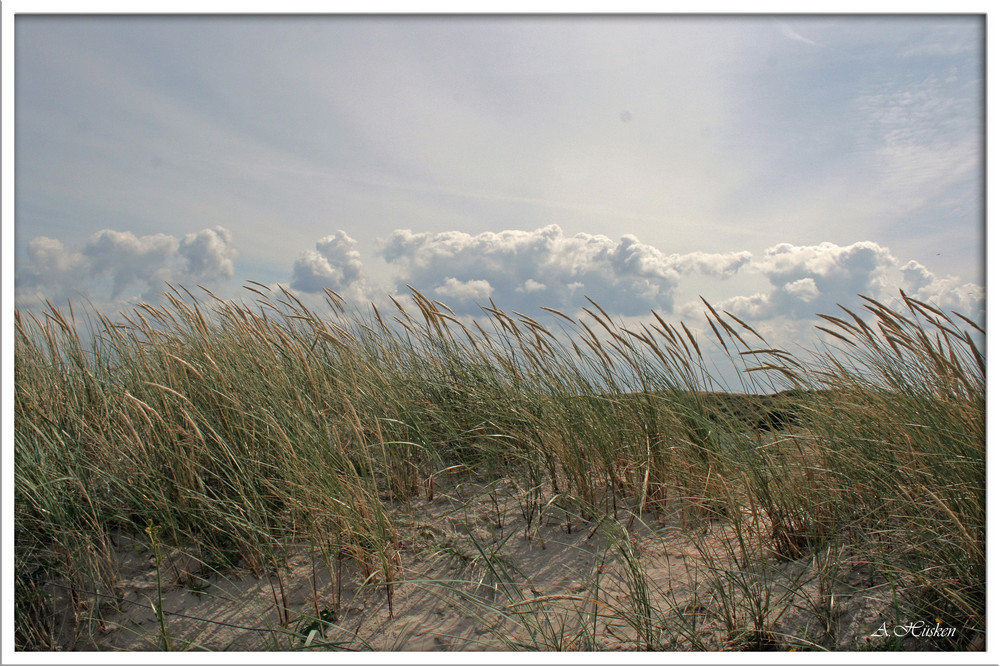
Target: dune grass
[(245, 427)]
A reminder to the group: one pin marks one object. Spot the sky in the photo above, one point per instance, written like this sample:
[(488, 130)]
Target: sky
[(775, 165)]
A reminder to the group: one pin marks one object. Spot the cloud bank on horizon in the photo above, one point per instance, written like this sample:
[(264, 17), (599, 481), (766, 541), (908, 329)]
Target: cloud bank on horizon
[(517, 269), (544, 267), (120, 266)]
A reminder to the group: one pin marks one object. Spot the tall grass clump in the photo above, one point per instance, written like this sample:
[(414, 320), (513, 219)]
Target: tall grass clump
[(242, 428), (212, 428), (902, 420)]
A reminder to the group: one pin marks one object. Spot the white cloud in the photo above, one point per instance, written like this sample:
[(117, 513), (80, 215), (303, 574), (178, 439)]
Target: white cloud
[(812, 279), (334, 264), (788, 31), (948, 292), (471, 290), (714, 264), (209, 253), (51, 265), (530, 286), (916, 276), (129, 259), (118, 264), (832, 266), (804, 289), (544, 267)]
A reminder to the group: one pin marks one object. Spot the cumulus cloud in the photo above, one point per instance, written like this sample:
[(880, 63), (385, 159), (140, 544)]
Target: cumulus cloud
[(129, 259), (812, 279), (803, 290), (209, 253), (50, 263), (117, 264), (946, 292), (715, 265), (916, 277), (530, 286), (544, 267), (334, 264), (471, 290)]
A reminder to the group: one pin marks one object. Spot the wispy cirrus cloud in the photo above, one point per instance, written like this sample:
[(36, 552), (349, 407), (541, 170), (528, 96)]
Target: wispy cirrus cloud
[(788, 31)]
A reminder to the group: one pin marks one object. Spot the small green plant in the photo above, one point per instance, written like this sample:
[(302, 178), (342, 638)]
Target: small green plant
[(153, 533)]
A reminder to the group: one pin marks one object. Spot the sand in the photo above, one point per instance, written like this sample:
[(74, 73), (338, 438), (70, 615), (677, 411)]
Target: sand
[(473, 574)]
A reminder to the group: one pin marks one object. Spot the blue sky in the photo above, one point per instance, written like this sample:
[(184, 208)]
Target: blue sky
[(776, 165)]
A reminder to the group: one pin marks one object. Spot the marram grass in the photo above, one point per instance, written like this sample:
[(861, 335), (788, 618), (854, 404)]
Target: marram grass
[(244, 427)]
